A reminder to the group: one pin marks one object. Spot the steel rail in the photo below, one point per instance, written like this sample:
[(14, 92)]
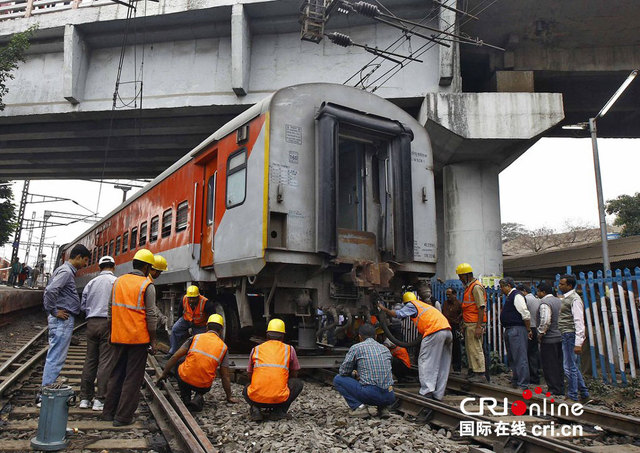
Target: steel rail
[(182, 430), (182, 410), (444, 415), (13, 377), (11, 360), (449, 417), (609, 421)]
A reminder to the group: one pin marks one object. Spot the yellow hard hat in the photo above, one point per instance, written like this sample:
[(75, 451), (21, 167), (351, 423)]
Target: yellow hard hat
[(217, 319), (276, 325), (409, 296), (464, 268), (160, 264), (145, 256), (193, 291), (379, 331)]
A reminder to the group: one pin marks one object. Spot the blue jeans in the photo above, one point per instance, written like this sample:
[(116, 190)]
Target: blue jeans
[(571, 364), (356, 394), (179, 332), (60, 332), (518, 342)]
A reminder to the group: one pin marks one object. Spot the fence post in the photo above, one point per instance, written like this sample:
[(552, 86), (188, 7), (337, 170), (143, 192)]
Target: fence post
[(605, 326), (616, 327), (596, 319), (587, 311), (634, 310), (625, 323)]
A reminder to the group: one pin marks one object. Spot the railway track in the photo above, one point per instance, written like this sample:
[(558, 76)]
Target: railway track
[(623, 432), (162, 422)]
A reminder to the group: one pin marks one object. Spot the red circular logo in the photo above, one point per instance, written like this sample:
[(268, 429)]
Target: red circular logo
[(519, 407)]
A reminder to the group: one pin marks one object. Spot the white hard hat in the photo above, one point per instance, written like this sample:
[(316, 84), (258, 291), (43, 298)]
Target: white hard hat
[(106, 259)]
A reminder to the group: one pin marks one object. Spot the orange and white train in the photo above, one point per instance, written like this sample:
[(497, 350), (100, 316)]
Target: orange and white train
[(308, 200)]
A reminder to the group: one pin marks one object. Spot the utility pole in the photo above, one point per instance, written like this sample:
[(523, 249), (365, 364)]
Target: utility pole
[(23, 204), (31, 224), (45, 219)]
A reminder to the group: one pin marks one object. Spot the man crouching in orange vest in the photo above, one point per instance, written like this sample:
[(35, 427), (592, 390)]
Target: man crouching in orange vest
[(273, 367), (204, 353), (437, 341), (133, 318)]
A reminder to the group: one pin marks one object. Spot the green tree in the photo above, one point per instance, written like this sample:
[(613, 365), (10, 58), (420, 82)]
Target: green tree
[(7, 212), (10, 55), (627, 211)]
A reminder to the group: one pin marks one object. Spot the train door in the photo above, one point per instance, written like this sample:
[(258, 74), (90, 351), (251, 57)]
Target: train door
[(351, 185), (208, 214)]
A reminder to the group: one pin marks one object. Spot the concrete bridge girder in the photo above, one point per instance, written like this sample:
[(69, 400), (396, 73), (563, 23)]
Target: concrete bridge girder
[(474, 137)]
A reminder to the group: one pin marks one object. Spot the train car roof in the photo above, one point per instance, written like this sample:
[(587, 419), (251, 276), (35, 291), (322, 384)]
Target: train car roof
[(243, 118)]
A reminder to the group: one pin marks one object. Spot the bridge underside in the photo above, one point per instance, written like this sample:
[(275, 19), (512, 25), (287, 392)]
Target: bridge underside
[(134, 144)]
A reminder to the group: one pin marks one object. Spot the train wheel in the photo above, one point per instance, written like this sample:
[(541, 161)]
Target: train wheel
[(231, 331)]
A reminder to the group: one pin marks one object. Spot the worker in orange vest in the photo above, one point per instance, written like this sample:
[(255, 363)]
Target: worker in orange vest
[(192, 314), (474, 321), (132, 318), (273, 368), (435, 349), (400, 361), (196, 363)]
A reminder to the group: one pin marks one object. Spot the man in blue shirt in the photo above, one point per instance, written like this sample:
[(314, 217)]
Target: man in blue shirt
[(371, 363), (62, 304)]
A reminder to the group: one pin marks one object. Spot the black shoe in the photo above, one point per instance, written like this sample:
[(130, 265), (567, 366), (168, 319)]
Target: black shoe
[(279, 414), (255, 414), (119, 423)]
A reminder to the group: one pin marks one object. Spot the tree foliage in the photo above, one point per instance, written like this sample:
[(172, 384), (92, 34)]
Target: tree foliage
[(10, 55), (7, 212), (512, 230), (627, 211)]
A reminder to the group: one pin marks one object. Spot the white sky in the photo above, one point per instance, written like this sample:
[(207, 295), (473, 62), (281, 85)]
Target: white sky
[(555, 176)]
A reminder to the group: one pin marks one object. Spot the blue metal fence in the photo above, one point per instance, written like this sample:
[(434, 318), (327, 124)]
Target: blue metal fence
[(611, 320)]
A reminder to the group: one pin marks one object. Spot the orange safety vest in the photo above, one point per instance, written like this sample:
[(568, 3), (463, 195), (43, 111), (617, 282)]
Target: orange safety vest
[(429, 320), (469, 307), (128, 313), (205, 355), (402, 354), (196, 315), (373, 319), (269, 381)]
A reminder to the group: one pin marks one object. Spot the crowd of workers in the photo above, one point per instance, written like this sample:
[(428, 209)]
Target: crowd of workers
[(122, 321)]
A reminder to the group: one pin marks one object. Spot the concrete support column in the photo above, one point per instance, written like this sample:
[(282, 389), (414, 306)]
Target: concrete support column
[(240, 50), (450, 80), (472, 226), (75, 65)]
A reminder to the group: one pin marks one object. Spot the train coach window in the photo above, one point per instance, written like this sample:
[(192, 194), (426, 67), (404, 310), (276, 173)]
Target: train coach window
[(211, 198), (153, 230), (94, 255), (166, 223), (134, 238), (143, 234), (125, 242), (99, 255), (182, 216), (111, 247), (236, 178), (117, 246)]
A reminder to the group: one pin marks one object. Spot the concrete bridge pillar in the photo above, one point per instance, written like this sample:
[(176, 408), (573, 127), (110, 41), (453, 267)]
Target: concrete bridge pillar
[(474, 137), (471, 208)]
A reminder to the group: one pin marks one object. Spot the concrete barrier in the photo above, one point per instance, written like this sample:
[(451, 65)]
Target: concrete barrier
[(14, 299)]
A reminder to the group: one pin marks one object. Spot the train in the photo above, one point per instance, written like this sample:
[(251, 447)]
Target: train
[(318, 199)]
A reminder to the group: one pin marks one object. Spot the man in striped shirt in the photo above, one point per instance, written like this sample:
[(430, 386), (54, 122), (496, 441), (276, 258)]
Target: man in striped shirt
[(372, 385)]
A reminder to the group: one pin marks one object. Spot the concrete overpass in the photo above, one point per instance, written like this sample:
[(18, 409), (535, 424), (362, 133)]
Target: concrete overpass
[(207, 60)]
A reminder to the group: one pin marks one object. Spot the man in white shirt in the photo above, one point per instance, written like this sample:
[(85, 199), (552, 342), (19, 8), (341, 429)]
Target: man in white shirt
[(515, 317), (95, 300), (571, 324)]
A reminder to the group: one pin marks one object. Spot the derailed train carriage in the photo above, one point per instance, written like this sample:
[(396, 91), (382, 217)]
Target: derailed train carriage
[(317, 197)]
